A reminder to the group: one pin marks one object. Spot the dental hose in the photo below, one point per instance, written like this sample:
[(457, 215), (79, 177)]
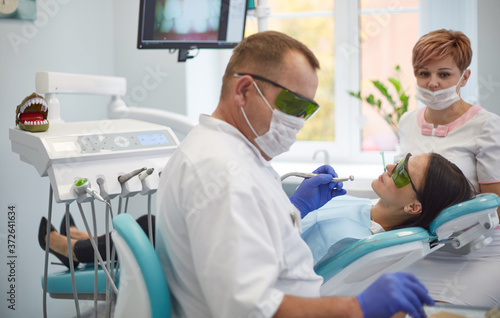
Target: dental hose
[(94, 245)]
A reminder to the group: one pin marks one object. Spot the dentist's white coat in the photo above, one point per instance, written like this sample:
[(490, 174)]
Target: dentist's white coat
[(225, 234)]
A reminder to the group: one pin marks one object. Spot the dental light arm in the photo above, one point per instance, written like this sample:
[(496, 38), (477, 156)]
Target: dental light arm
[(178, 123)]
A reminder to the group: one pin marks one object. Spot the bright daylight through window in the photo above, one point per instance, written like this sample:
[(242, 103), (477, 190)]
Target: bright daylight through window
[(386, 31)]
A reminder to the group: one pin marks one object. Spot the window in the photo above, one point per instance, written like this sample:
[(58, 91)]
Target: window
[(355, 43), (312, 23), (388, 32)]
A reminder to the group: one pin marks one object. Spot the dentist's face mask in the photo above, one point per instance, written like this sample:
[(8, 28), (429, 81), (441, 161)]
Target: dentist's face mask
[(440, 99), (282, 132)]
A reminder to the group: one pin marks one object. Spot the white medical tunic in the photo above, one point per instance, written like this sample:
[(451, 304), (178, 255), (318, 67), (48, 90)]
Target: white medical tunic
[(227, 235), (472, 142)]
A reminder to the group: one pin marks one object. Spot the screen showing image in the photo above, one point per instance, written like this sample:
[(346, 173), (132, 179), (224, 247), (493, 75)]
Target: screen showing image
[(188, 20), (186, 24)]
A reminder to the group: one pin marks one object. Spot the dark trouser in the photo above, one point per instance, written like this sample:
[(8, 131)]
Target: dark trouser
[(85, 253)]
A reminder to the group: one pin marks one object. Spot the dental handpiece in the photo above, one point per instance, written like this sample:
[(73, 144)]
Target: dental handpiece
[(82, 186), (310, 175), (125, 177), (145, 174)]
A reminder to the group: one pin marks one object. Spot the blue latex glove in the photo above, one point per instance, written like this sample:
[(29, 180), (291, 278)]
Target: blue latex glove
[(314, 192), (392, 293)]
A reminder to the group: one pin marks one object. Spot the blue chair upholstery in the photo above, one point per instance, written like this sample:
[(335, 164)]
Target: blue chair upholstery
[(335, 264), (353, 269), (147, 265), (59, 283)]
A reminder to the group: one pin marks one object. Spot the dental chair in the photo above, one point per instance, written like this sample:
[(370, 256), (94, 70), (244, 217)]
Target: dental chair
[(462, 228)]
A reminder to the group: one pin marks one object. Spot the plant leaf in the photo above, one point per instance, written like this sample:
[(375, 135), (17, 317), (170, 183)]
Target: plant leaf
[(396, 84), (383, 89), (371, 100)]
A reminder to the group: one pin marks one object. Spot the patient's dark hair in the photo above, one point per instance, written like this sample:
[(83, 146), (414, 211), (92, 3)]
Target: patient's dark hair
[(445, 185)]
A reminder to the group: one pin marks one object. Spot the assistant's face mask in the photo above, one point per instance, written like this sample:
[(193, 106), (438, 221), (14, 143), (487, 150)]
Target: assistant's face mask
[(282, 132), (440, 99)]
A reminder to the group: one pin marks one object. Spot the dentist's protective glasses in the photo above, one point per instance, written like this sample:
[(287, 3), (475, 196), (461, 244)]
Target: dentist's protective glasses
[(289, 102), (401, 176)]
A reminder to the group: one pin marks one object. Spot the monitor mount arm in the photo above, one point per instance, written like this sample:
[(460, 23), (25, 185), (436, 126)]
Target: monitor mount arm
[(184, 55)]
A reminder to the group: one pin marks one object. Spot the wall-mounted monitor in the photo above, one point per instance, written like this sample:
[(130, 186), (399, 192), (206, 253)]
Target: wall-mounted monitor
[(191, 24)]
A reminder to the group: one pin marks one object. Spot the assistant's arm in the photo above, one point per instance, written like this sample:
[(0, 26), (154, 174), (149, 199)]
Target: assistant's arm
[(488, 164), (491, 188)]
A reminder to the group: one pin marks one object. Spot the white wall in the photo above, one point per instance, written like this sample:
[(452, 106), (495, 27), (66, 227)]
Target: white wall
[(62, 39), (459, 15), (154, 77), (203, 81), (488, 55)]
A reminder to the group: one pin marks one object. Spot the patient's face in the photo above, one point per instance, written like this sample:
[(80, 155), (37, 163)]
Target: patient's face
[(386, 189)]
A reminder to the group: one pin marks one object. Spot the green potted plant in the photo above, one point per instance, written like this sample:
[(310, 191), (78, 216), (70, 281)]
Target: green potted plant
[(398, 103)]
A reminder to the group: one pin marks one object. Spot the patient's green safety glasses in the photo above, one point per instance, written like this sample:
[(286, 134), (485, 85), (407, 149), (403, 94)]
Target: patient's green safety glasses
[(289, 102), (401, 176)]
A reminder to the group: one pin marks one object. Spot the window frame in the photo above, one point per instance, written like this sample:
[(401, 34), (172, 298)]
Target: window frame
[(348, 119)]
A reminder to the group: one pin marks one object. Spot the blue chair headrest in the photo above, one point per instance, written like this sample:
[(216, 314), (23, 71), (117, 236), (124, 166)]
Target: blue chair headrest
[(483, 201)]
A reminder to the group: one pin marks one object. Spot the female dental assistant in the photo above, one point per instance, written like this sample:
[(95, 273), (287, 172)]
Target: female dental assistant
[(467, 135)]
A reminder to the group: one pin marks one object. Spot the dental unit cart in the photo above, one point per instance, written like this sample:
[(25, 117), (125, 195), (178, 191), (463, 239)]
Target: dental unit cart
[(100, 151), (98, 161), (94, 160)]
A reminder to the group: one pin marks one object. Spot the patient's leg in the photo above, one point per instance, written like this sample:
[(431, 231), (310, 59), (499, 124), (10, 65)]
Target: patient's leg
[(84, 251)]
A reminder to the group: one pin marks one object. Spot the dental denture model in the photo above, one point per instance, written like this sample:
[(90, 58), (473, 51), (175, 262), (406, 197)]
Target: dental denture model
[(31, 114)]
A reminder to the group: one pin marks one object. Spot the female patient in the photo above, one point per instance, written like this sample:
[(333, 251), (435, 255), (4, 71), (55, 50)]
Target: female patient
[(81, 247), (412, 193)]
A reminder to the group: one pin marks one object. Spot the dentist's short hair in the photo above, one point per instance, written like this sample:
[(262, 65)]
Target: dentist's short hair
[(440, 44), (262, 54)]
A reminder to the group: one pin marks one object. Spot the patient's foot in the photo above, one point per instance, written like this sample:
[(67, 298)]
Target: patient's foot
[(75, 233), (59, 244), (73, 230)]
